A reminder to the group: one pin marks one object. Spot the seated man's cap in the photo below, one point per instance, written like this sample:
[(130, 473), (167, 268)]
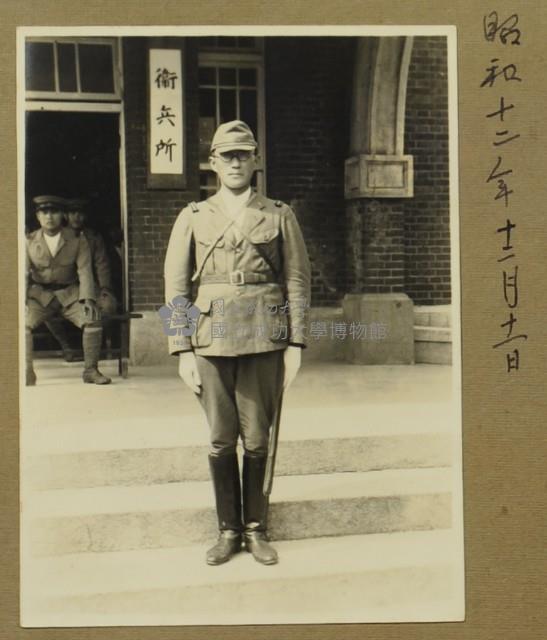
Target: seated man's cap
[(49, 202), (233, 135), (76, 204)]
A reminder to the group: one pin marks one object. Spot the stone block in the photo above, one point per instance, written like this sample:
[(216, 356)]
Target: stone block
[(147, 341), (388, 335)]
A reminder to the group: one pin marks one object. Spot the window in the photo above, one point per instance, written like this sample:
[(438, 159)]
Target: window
[(230, 88), (230, 43), (71, 69)]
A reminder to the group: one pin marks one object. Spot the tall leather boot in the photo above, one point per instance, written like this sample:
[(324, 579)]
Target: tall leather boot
[(227, 488), (92, 338), (57, 330), (255, 510), (30, 376)]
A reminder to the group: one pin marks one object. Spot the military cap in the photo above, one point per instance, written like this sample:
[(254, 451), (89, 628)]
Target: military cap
[(233, 135), (76, 204), (49, 202)]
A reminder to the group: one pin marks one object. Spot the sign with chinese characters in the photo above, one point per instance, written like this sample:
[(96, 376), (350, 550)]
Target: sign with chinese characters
[(166, 122)]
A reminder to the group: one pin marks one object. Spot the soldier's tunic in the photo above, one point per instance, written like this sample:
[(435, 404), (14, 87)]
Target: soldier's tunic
[(253, 291), (55, 284), (102, 275)]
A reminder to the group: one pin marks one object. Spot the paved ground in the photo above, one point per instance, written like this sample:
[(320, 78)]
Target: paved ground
[(157, 391), (412, 575)]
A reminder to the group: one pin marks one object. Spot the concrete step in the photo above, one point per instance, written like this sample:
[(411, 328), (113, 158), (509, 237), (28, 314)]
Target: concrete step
[(175, 514), (433, 345), (358, 437), (393, 577), (433, 315), (432, 334)]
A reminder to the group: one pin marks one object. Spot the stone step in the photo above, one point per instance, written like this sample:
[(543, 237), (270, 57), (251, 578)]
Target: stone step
[(313, 440), (433, 315), (393, 577), (175, 514), (432, 334), (433, 345)]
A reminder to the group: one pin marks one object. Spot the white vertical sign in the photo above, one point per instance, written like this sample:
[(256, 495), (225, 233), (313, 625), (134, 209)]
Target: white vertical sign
[(166, 139)]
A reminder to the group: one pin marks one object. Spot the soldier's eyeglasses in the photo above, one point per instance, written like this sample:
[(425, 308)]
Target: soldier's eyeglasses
[(228, 156)]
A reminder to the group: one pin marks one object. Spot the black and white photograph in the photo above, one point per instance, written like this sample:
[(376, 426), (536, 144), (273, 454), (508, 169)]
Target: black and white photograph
[(239, 303)]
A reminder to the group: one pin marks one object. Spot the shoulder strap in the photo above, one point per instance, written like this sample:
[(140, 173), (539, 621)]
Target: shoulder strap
[(193, 205)]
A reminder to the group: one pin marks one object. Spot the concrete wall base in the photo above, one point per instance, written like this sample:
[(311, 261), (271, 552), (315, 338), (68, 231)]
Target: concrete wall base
[(382, 333), (322, 346), (147, 341), (388, 321)]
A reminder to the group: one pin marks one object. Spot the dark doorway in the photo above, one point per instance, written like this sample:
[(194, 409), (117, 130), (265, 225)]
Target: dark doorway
[(76, 155)]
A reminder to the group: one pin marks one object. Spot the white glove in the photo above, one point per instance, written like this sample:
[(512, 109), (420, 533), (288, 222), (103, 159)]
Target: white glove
[(188, 371), (292, 359)]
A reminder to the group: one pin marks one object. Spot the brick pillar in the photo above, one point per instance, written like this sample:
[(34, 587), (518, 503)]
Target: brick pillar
[(378, 177)]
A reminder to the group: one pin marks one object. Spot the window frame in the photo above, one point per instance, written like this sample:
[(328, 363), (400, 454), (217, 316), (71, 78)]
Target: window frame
[(78, 96), (252, 59)]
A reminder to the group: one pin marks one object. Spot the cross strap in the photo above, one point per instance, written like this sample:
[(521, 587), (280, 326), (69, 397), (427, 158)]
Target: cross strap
[(219, 237), (210, 249)]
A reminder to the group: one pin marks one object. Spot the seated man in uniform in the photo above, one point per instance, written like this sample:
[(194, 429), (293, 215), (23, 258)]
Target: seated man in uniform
[(60, 282), (248, 257), (104, 295)]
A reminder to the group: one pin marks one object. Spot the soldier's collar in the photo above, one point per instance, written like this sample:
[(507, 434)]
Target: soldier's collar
[(255, 201)]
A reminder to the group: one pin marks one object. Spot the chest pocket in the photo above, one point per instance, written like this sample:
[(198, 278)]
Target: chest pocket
[(267, 246), (216, 261)]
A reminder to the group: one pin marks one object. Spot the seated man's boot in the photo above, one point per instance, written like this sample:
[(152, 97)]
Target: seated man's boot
[(92, 338), (227, 488), (30, 376), (57, 330), (255, 511)]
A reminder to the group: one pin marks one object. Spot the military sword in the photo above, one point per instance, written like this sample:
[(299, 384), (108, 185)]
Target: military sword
[(272, 449)]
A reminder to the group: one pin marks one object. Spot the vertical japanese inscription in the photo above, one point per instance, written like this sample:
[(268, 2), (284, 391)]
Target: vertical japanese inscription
[(502, 79), (165, 90)]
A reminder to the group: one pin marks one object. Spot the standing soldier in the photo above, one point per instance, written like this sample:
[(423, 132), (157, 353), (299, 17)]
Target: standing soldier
[(247, 256), (60, 282), (100, 263)]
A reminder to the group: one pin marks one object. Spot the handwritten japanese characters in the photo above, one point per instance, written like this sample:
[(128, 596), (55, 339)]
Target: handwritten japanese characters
[(502, 79)]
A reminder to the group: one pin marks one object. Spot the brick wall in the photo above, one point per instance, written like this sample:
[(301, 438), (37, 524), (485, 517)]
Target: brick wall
[(427, 237), (151, 213), (377, 246), (308, 95)]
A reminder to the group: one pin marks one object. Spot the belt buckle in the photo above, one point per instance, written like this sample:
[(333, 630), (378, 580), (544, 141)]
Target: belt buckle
[(240, 277)]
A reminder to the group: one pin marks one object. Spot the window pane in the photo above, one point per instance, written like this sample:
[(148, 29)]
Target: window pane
[(66, 59), (227, 99), (247, 77), (246, 42), (227, 41), (207, 184), (207, 41), (207, 102), (96, 68), (40, 72), (248, 108), (227, 76), (207, 75), (207, 128)]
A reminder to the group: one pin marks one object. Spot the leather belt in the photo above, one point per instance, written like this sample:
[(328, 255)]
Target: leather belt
[(52, 286), (238, 278)]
